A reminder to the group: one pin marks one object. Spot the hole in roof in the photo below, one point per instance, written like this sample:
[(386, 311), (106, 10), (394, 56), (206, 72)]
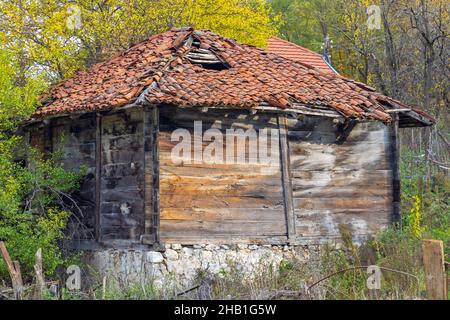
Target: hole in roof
[(205, 58)]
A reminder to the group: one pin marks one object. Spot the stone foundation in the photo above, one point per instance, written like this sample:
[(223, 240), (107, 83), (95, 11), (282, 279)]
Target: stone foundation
[(182, 264)]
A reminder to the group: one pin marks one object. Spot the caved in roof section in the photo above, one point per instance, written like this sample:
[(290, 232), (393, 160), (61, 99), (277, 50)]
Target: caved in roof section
[(206, 58)]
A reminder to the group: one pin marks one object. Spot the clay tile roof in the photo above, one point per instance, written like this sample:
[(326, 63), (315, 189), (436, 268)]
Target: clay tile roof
[(198, 68), (297, 53)]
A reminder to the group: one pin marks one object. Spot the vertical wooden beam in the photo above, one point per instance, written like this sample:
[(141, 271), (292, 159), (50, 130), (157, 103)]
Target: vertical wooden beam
[(395, 167), (98, 175), (147, 199), (286, 177), (147, 237), (434, 265), (155, 167), (151, 170), (39, 272), (48, 138)]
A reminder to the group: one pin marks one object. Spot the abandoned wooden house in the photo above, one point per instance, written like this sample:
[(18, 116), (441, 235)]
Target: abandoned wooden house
[(326, 150)]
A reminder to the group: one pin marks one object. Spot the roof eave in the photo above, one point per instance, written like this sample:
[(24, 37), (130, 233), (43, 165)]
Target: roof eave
[(411, 119)]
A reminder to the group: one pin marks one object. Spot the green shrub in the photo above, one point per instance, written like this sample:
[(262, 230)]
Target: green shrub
[(32, 214)]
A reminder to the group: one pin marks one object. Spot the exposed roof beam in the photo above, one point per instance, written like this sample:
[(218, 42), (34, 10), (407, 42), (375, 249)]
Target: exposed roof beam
[(397, 110)]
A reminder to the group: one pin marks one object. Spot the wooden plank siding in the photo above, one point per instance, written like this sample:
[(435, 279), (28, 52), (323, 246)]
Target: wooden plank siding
[(203, 203), (287, 177), (98, 176), (394, 152), (76, 140), (326, 174), (151, 164), (122, 179), (36, 136), (339, 183)]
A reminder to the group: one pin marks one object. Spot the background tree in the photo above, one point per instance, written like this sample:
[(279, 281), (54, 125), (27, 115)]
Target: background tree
[(58, 37), (31, 213), (406, 58), (46, 41)]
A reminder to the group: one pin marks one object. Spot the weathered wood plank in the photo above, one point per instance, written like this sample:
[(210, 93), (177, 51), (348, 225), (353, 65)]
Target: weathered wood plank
[(286, 177), (219, 200), (240, 179), (120, 220), (225, 215), (338, 176), (435, 274), (120, 232), (376, 203), (230, 191), (335, 182), (241, 149), (226, 118), (214, 201), (356, 191), (122, 181), (48, 139), (224, 239), (152, 175), (215, 168), (98, 173), (204, 229), (148, 172), (76, 141), (306, 148), (328, 162), (156, 180), (394, 161), (327, 222)]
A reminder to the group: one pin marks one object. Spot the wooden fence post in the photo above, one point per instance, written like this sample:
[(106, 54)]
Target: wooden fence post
[(40, 280), (14, 271), (434, 265)]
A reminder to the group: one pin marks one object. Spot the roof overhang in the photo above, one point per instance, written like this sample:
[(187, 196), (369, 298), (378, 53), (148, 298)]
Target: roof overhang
[(412, 118), (409, 117)]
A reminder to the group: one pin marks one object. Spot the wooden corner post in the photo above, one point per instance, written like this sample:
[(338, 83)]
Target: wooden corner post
[(98, 175), (48, 138), (151, 165), (434, 266), (286, 177), (395, 167)]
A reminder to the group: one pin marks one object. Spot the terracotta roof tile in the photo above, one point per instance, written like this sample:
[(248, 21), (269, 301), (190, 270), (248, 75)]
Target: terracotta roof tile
[(195, 68), (297, 53)]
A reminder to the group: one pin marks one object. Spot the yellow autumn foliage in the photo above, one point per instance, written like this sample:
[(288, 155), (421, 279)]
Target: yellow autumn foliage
[(415, 218), (61, 36)]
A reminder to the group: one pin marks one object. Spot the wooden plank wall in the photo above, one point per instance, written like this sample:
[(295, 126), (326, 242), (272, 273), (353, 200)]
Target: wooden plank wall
[(206, 203), (76, 142), (36, 136), (347, 182), (122, 180), (338, 176)]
